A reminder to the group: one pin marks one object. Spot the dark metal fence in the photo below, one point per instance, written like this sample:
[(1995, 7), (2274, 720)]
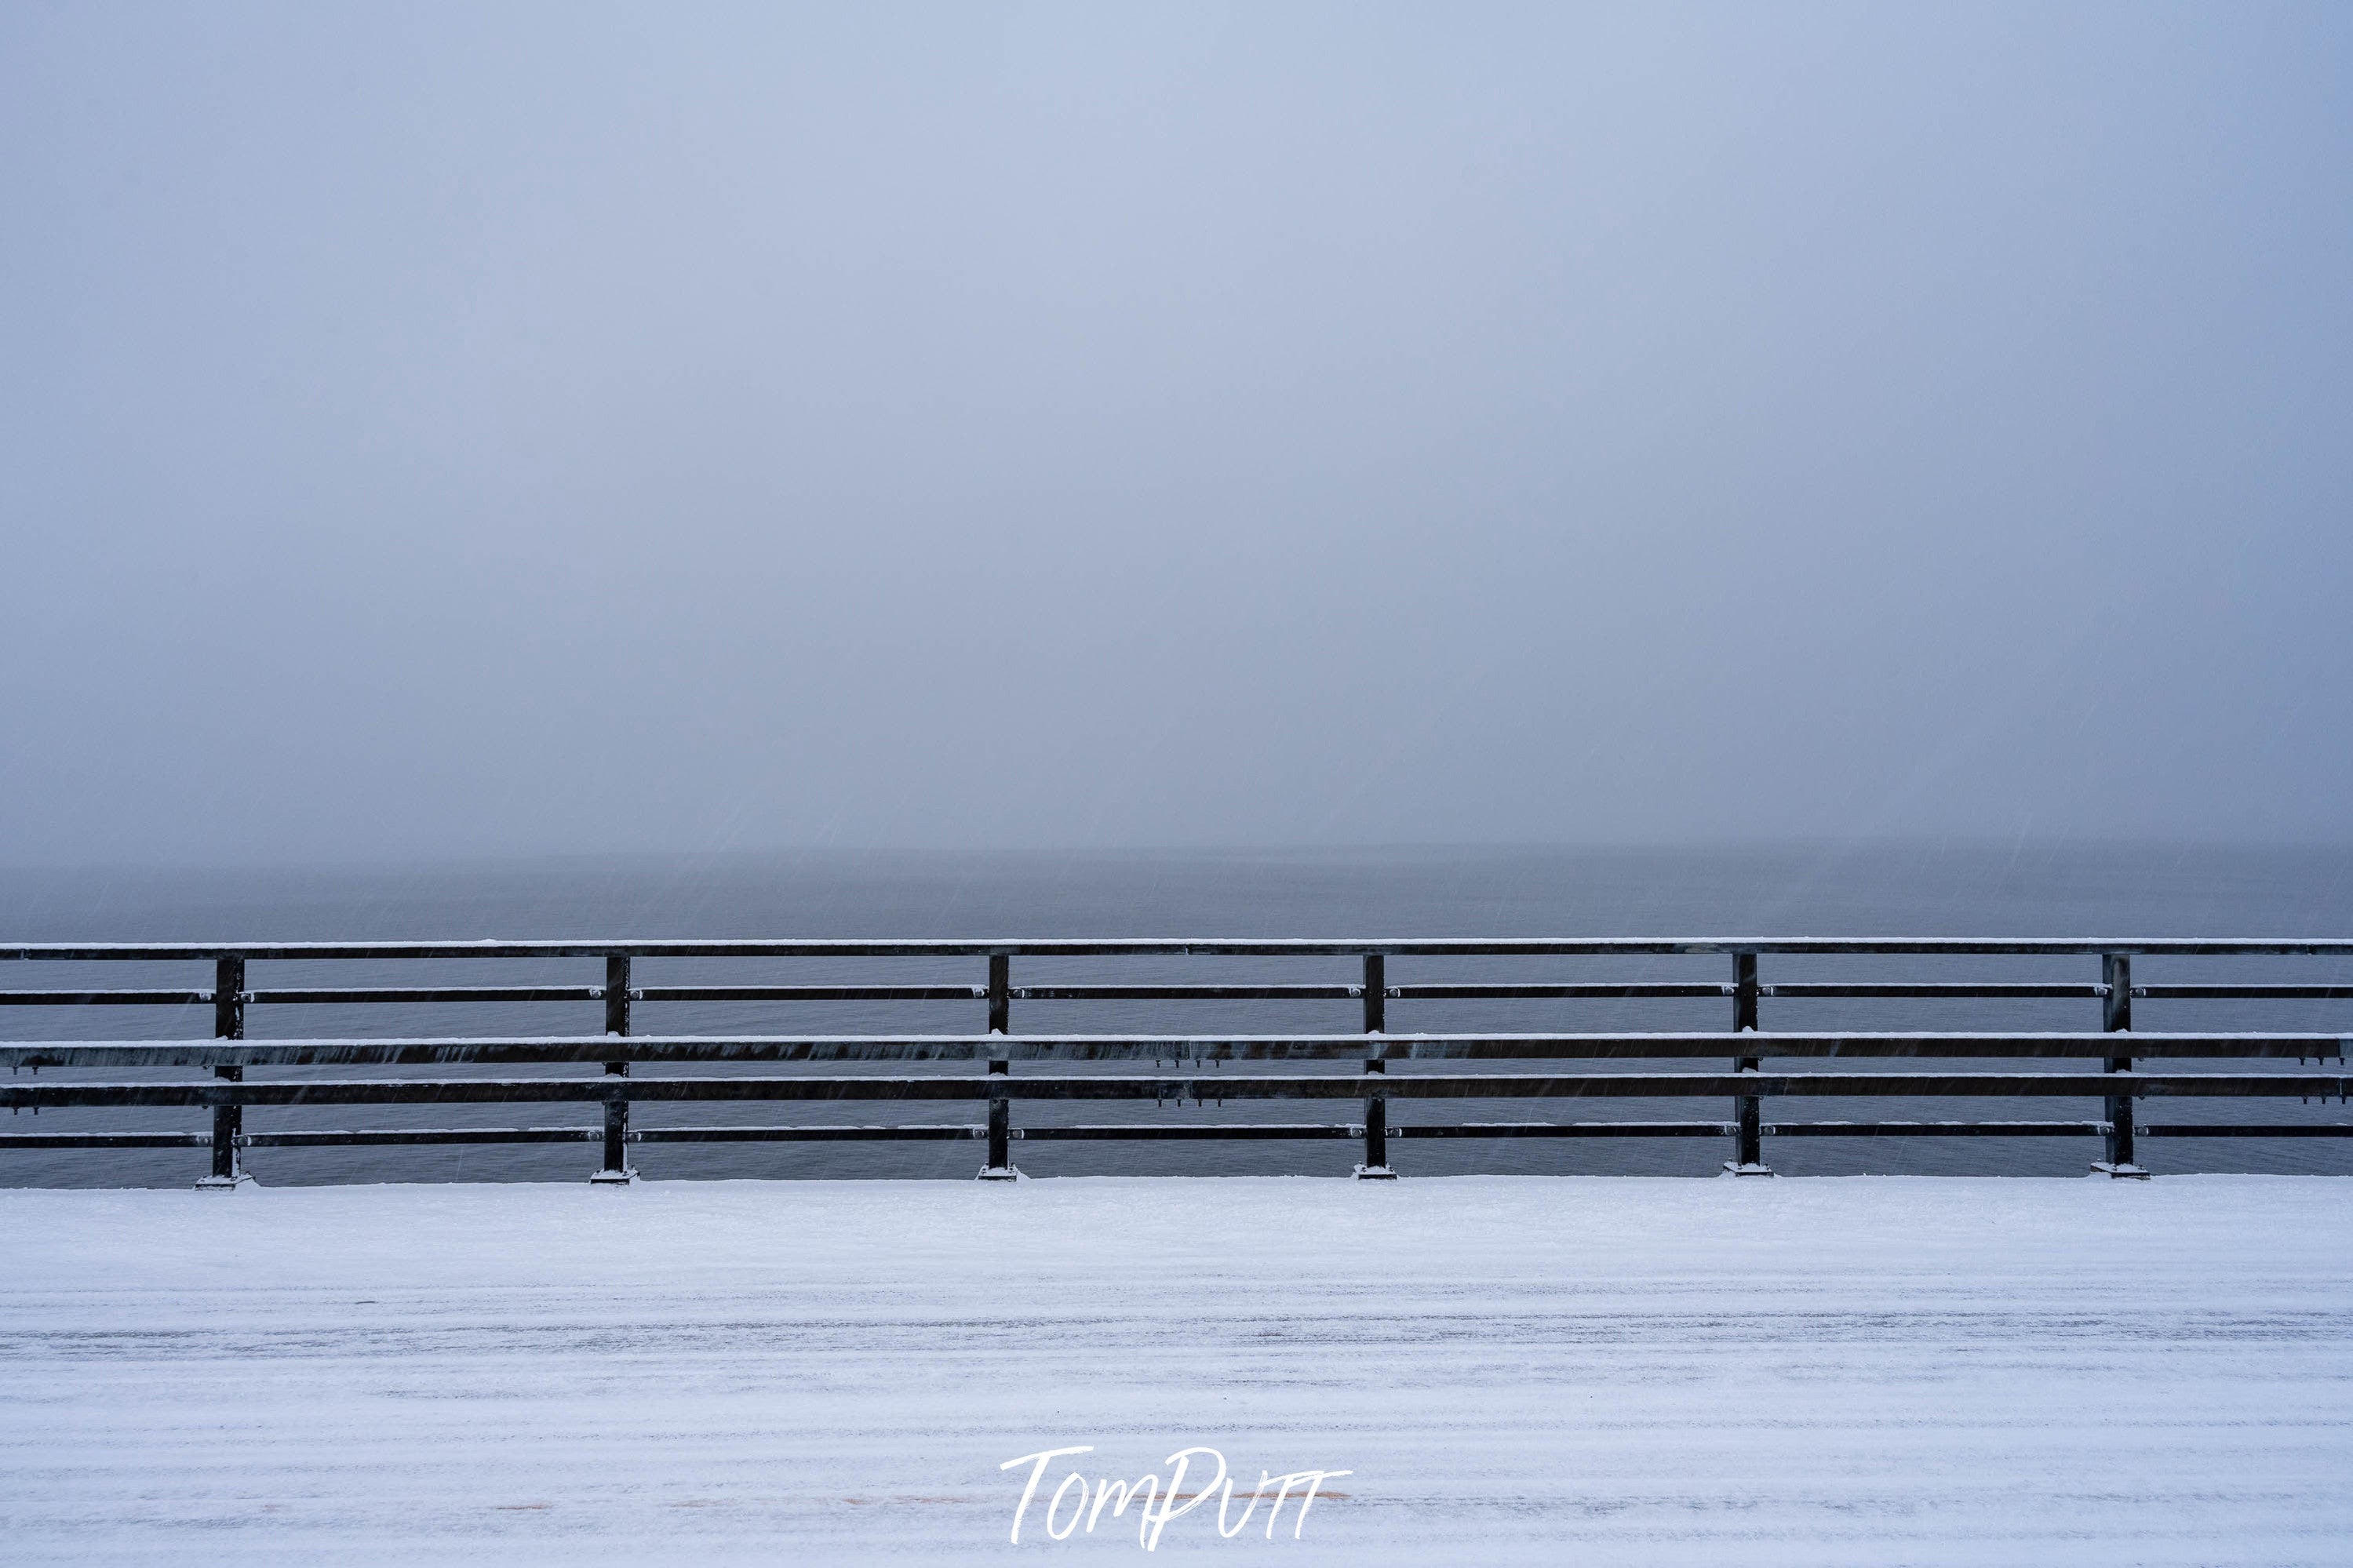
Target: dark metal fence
[(2123, 1081)]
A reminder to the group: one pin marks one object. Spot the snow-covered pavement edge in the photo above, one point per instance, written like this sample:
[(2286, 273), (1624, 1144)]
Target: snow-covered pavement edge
[(1603, 1370)]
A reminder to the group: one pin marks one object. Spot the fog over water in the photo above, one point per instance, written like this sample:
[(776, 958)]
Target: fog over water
[(545, 470), (527, 430)]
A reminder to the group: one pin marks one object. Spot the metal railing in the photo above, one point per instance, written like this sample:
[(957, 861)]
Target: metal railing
[(2121, 1084)]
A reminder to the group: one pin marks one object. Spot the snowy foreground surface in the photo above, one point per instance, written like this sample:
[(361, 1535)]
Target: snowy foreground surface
[(1604, 1371)]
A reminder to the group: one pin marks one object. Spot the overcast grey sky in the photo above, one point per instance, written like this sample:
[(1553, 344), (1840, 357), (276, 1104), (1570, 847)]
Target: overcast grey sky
[(446, 431)]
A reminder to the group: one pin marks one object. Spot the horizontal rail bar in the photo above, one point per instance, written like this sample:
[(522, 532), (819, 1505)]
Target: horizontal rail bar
[(2248, 1130), (381, 995), (1222, 1132), (935, 1132), (1990, 990), (1476, 1086), (336, 996), (808, 994), (105, 1140), (1937, 1129), (950, 1132), (1185, 993), (2246, 993), (321, 995), (1955, 990), (103, 998), (394, 1136), (1219, 1132), (1635, 1046), (1501, 947), (1598, 991), (1568, 1129), (325, 995)]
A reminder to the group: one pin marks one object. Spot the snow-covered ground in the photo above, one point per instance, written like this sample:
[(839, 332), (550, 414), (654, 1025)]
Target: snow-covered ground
[(1605, 1371)]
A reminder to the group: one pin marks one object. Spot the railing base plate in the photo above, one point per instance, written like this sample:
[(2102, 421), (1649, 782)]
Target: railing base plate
[(1002, 1174), (1376, 1173), (2121, 1173), (624, 1178), (224, 1184), (1735, 1168)]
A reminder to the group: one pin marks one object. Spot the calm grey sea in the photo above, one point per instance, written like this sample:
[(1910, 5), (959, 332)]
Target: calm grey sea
[(1907, 889)]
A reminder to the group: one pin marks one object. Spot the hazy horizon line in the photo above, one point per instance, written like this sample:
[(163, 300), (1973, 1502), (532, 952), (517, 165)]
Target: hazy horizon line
[(1479, 848)]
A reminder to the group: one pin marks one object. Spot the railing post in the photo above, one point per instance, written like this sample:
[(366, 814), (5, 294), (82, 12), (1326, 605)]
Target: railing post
[(1000, 993), (2115, 1018), (228, 1120), (1376, 1167), (616, 1170), (1748, 1150), (999, 1167)]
